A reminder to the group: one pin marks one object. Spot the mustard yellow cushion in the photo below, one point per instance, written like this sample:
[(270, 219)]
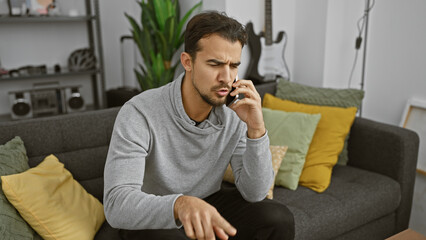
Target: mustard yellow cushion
[(327, 143), (54, 204), (278, 153)]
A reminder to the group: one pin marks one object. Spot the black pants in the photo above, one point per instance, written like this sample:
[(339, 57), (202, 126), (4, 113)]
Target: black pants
[(258, 221)]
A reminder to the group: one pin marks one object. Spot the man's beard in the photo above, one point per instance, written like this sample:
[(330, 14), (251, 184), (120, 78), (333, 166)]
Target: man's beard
[(209, 99)]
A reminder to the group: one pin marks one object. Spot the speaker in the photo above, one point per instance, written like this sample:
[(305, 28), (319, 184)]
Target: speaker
[(20, 103), (74, 101), (46, 102)]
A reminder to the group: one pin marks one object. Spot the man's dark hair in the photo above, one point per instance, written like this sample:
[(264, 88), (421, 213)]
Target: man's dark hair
[(212, 22)]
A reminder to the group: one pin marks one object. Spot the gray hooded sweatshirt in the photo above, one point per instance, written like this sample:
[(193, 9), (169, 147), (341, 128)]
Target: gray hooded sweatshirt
[(157, 153)]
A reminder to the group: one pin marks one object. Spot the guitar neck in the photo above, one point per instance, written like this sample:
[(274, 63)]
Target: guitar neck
[(268, 22)]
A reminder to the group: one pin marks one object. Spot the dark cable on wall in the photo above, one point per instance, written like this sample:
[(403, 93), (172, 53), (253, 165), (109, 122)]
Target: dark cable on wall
[(361, 25)]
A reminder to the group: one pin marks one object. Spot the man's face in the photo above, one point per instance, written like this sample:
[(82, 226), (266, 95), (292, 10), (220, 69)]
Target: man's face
[(215, 67)]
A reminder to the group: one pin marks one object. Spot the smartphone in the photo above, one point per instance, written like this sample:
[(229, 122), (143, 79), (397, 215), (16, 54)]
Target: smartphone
[(232, 99)]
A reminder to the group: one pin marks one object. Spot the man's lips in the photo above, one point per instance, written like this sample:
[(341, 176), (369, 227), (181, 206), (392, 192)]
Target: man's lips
[(223, 92)]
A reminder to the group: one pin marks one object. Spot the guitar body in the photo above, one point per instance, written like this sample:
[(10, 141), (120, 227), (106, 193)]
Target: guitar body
[(271, 62), (267, 62)]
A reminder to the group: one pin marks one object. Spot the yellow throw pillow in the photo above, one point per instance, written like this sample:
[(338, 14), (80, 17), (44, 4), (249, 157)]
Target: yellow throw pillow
[(54, 204), (327, 143), (277, 152)]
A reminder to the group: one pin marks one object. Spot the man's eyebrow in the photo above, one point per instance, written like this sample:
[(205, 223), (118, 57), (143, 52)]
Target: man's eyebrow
[(236, 64), (218, 62), (215, 61)]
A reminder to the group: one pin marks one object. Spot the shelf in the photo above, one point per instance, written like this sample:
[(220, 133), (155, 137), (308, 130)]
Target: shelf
[(46, 19), (8, 117), (89, 20), (48, 75)]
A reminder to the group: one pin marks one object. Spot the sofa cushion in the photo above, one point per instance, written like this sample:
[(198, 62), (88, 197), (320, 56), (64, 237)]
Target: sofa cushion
[(80, 140), (355, 197), (328, 140), (323, 97), (294, 130), (53, 203), (13, 160), (278, 153)]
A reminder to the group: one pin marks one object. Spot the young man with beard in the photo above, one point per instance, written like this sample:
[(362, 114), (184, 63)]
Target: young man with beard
[(171, 146)]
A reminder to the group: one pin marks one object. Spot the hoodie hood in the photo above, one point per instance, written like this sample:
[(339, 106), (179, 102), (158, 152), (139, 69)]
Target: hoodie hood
[(215, 121)]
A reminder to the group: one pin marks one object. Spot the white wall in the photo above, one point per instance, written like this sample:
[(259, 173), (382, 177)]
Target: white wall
[(342, 18), (310, 26), (396, 54), (396, 58), (114, 25)]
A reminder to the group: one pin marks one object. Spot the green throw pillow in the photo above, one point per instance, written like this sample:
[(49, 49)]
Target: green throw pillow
[(295, 130), (323, 97), (13, 159)]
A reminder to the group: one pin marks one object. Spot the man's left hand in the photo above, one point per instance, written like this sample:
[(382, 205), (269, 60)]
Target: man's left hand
[(249, 109)]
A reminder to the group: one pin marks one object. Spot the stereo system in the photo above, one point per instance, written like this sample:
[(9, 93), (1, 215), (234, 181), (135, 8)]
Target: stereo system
[(46, 102)]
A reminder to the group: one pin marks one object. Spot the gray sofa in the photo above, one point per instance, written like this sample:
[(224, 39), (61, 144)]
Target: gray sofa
[(368, 199)]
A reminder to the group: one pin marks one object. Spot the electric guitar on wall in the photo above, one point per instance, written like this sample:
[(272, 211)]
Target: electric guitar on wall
[(267, 61)]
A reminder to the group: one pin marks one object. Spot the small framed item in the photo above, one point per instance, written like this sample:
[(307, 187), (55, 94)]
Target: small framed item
[(17, 7), (414, 118), (40, 7)]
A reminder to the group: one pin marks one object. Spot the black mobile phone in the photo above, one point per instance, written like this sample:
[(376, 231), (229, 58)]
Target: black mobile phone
[(231, 99)]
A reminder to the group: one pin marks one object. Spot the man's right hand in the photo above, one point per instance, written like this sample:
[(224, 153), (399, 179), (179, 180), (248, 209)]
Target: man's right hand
[(201, 220)]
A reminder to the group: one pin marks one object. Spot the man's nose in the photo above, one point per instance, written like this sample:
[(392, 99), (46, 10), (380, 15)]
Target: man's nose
[(226, 75)]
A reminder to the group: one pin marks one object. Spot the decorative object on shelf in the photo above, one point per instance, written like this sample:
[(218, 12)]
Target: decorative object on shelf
[(17, 7), (57, 68), (46, 99), (40, 7), (32, 7), (414, 118), (52, 9), (2, 70), (20, 103), (73, 12), (267, 62), (88, 19), (83, 59), (28, 71), (73, 100), (158, 37)]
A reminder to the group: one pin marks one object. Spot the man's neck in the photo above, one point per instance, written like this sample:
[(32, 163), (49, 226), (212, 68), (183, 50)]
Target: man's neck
[(195, 107)]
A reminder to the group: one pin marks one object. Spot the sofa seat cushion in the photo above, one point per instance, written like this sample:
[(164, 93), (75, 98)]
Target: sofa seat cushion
[(354, 198)]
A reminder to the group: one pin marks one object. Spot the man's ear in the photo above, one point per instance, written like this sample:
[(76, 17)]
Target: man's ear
[(186, 61)]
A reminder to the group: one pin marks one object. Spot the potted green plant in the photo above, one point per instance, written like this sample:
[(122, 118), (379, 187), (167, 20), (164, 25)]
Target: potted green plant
[(158, 37)]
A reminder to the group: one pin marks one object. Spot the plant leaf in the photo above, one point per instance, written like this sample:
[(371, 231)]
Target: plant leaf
[(158, 36), (160, 10)]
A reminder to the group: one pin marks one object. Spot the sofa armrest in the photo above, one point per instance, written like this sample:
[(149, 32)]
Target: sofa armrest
[(388, 150)]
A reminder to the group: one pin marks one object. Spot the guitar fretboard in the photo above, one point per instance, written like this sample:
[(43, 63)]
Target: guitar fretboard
[(268, 22)]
